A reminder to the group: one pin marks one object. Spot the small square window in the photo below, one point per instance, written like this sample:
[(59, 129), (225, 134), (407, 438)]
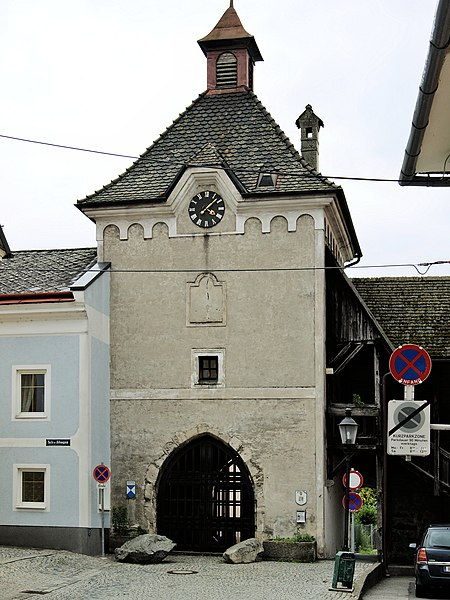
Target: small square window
[(31, 392), (208, 369), (31, 486)]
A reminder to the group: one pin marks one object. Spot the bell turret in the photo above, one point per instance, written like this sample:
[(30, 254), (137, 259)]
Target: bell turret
[(231, 54)]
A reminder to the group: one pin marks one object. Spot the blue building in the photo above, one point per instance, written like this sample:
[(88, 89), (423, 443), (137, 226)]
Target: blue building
[(54, 386)]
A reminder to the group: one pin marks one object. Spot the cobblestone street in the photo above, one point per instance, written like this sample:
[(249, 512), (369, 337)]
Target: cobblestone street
[(61, 575)]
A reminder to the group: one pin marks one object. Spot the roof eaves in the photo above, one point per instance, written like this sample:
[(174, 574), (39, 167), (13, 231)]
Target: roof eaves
[(372, 317), (439, 42), (93, 272)]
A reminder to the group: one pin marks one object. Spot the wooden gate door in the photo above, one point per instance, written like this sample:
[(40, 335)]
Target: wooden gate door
[(205, 498)]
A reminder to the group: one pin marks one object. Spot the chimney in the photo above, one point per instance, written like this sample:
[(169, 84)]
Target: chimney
[(309, 125)]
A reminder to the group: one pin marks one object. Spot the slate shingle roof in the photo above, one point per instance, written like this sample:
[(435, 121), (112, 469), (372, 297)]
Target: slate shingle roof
[(37, 271), (234, 126), (412, 310)]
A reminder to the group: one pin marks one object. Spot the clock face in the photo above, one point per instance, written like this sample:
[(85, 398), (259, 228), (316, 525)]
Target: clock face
[(206, 209)]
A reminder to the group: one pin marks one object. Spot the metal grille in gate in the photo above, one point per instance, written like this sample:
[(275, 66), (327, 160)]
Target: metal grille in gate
[(205, 497)]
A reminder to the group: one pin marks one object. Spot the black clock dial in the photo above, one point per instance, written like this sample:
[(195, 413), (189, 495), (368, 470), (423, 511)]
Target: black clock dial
[(206, 209)]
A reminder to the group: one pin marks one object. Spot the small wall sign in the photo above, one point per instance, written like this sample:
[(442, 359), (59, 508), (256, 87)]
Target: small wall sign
[(301, 497), (131, 490), (59, 442), (301, 516)]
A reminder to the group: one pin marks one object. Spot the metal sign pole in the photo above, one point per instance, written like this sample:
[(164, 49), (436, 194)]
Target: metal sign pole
[(102, 508), (352, 535), (101, 475), (409, 392)]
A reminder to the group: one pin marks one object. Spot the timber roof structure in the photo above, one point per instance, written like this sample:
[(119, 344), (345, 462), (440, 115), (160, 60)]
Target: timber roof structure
[(237, 133), (38, 272), (412, 310)]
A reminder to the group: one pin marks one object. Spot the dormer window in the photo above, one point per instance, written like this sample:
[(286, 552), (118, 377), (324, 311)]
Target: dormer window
[(226, 70), (266, 179)]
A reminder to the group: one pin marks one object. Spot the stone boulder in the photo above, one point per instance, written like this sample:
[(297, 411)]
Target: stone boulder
[(244, 552), (144, 549)]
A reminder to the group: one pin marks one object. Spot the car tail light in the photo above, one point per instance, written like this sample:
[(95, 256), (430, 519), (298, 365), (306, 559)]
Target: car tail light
[(422, 556)]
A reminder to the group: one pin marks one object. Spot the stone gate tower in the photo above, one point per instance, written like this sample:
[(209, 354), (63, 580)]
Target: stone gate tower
[(217, 236)]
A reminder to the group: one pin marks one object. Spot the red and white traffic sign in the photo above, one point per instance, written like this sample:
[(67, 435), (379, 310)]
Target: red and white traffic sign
[(101, 473), (356, 480), (410, 364), (354, 502)]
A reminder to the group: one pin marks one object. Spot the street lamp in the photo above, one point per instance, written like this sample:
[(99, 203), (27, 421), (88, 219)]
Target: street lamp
[(348, 428)]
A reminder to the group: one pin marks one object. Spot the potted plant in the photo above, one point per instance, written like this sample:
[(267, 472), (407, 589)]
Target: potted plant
[(301, 547)]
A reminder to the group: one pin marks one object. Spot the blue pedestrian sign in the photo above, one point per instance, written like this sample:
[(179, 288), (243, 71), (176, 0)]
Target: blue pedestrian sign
[(131, 490)]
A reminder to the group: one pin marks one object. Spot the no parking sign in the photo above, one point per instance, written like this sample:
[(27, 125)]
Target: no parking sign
[(410, 364)]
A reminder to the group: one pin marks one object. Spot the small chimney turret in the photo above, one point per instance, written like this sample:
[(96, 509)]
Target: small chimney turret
[(309, 125)]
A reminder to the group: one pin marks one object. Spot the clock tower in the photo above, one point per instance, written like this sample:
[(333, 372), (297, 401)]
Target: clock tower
[(217, 237)]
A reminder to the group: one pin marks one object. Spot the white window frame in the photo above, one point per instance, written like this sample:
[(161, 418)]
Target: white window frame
[(18, 502), (195, 368), (17, 372)]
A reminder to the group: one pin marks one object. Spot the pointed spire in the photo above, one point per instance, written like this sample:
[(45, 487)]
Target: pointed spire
[(229, 29), (231, 52)]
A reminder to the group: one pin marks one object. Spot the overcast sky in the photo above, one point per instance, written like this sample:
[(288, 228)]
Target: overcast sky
[(111, 75)]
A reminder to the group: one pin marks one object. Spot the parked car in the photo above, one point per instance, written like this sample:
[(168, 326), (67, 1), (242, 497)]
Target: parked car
[(432, 560)]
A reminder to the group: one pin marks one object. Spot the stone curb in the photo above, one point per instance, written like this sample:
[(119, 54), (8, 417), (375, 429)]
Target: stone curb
[(366, 580)]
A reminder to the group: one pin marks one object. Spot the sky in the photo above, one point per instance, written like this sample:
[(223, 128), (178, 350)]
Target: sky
[(112, 75)]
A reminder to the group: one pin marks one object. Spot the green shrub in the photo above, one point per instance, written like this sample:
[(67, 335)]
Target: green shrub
[(119, 519), (367, 515)]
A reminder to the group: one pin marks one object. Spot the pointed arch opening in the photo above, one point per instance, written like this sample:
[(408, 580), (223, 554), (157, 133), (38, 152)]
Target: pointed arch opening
[(205, 497)]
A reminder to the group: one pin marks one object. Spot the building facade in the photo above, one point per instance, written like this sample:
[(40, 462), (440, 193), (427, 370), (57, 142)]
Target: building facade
[(54, 381)]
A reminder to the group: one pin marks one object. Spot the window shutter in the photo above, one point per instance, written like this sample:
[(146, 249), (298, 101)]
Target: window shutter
[(226, 70)]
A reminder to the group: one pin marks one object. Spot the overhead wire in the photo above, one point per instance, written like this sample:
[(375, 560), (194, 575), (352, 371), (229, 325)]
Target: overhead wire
[(306, 174), (428, 265)]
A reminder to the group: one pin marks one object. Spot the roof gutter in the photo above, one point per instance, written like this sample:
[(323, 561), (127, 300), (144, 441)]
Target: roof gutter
[(439, 42), (36, 298)]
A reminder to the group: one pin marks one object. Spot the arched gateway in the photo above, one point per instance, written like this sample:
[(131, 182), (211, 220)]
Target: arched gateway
[(205, 498)]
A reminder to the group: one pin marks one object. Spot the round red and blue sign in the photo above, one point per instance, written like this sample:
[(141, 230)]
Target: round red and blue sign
[(101, 473), (355, 502), (410, 364)]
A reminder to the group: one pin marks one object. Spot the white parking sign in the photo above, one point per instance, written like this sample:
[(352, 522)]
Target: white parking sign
[(413, 437)]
